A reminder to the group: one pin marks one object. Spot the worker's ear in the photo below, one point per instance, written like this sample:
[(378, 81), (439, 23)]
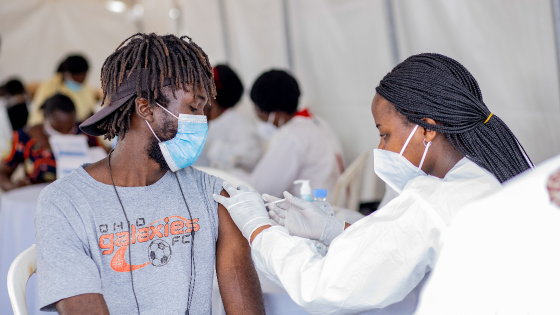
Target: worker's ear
[(144, 110), (429, 134)]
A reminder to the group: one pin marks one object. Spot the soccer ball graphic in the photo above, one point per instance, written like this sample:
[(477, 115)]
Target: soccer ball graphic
[(159, 252)]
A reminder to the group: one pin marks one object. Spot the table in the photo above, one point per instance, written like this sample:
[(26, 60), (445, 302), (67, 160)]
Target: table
[(17, 233)]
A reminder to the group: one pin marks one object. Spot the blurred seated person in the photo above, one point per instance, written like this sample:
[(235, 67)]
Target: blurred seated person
[(302, 146), (232, 140), (16, 100), (30, 145), (69, 80)]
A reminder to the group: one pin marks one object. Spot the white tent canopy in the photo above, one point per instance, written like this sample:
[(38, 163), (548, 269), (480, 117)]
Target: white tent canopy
[(338, 50)]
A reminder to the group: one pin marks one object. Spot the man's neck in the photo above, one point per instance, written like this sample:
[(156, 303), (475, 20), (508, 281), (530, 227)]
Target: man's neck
[(131, 166)]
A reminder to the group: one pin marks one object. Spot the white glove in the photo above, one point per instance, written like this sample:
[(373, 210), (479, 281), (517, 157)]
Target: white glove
[(304, 219), (246, 208)]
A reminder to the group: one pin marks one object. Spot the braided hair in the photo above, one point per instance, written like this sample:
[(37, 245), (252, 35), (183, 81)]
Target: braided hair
[(438, 87), (168, 56)]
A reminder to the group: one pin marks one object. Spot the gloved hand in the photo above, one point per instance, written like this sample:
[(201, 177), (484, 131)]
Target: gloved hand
[(246, 208), (304, 219)]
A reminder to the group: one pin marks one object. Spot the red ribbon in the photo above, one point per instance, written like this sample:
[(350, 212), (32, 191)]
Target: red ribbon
[(304, 113)]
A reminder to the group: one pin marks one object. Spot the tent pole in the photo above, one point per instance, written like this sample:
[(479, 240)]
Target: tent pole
[(556, 19), (390, 15), (225, 33), (286, 9), (178, 21)]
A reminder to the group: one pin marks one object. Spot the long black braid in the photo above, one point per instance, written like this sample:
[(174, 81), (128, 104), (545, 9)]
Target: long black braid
[(168, 56), (438, 87)]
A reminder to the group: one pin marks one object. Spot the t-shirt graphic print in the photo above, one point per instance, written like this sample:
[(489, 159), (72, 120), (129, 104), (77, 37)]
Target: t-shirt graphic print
[(160, 237)]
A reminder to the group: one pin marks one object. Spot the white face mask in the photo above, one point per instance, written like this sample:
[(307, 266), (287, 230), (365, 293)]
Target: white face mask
[(267, 129), (394, 169)]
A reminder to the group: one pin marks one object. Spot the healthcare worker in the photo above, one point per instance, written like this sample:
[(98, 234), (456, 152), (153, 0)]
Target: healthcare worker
[(509, 265), (440, 148), (302, 146), (232, 140)]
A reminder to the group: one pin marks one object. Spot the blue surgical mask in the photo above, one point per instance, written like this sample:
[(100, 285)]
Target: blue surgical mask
[(73, 85), (185, 148)]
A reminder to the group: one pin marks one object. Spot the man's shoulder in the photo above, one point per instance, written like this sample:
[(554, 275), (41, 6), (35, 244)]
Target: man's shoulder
[(61, 189), (197, 174), (200, 177)]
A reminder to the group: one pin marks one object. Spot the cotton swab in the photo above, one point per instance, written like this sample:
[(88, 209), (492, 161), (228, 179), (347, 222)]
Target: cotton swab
[(273, 202)]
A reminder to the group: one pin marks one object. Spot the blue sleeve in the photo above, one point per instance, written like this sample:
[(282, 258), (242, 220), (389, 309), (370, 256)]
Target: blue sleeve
[(64, 266)]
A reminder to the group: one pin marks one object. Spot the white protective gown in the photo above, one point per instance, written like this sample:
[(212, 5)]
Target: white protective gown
[(380, 260), (303, 148), (501, 255), (6, 131), (232, 142)]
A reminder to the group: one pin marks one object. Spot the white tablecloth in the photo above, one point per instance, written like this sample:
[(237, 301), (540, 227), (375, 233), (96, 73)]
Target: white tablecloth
[(17, 233)]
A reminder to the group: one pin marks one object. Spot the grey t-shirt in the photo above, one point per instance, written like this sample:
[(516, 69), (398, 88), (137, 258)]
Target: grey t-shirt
[(83, 242)]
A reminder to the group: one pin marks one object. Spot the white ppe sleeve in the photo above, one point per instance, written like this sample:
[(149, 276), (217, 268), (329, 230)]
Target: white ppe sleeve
[(374, 263)]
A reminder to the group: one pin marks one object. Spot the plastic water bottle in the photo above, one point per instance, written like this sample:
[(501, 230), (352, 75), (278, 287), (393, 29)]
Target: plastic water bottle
[(320, 199)]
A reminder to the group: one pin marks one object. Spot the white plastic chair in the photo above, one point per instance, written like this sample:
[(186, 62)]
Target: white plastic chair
[(348, 187), (19, 273), (230, 178)]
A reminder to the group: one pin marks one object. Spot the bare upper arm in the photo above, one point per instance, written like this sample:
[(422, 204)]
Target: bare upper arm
[(237, 278), (89, 303)]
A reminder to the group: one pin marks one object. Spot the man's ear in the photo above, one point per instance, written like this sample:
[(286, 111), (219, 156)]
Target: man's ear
[(429, 134), (144, 110)]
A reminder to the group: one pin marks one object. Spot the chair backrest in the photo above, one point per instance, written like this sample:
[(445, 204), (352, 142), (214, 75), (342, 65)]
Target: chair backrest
[(348, 187), (20, 271), (230, 178)]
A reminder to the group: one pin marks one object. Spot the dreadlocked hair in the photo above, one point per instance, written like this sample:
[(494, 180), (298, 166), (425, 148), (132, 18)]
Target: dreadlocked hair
[(168, 56), (438, 87)]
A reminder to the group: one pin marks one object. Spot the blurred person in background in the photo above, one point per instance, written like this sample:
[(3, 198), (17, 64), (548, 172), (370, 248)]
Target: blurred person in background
[(301, 146), (232, 140), (70, 80), (30, 145), (16, 103)]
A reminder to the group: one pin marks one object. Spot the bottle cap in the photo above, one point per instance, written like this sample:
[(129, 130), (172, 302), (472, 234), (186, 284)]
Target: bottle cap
[(319, 193)]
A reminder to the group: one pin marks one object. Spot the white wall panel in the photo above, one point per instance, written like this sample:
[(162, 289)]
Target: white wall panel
[(37, 34), (509, 47)]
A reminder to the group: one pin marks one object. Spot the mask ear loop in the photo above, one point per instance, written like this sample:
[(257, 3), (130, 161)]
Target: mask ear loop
[(427, 145), (408, 140), (152, 130), (151, 126), (167, 111)]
